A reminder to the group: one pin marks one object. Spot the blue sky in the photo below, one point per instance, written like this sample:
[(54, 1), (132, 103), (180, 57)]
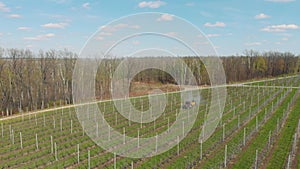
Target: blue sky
[(232, 25)]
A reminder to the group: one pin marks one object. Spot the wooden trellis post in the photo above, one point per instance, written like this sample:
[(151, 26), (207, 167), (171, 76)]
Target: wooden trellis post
[(51, 140), (78, 154), (21, 140), (225, 156), (36, 141)]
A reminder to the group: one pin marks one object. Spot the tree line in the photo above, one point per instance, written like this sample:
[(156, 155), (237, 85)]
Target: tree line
[(31, 81)]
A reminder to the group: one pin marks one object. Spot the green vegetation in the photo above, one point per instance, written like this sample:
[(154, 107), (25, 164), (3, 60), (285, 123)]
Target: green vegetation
[(285, 139), (255, 109)]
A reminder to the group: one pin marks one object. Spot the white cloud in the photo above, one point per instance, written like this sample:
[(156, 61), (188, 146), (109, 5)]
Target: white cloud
[(172, 34), (285, 39), (114, 28), (108, 30), (23, 28), (105, 34), (262, 16), (55, 25), (213, 35), (165, 17), (134, 27), (151, 4), (16, 16), (99, 38), (217, 24), (86, 5), (253, 44), (101, 35), (280, 28), (4, 8), (284, 1), (40, 37)]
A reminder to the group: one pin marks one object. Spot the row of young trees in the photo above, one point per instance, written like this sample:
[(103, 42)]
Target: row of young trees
[(30, 81)]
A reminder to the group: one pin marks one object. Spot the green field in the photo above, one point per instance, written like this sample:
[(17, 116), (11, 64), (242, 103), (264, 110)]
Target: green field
[(258, 127)]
